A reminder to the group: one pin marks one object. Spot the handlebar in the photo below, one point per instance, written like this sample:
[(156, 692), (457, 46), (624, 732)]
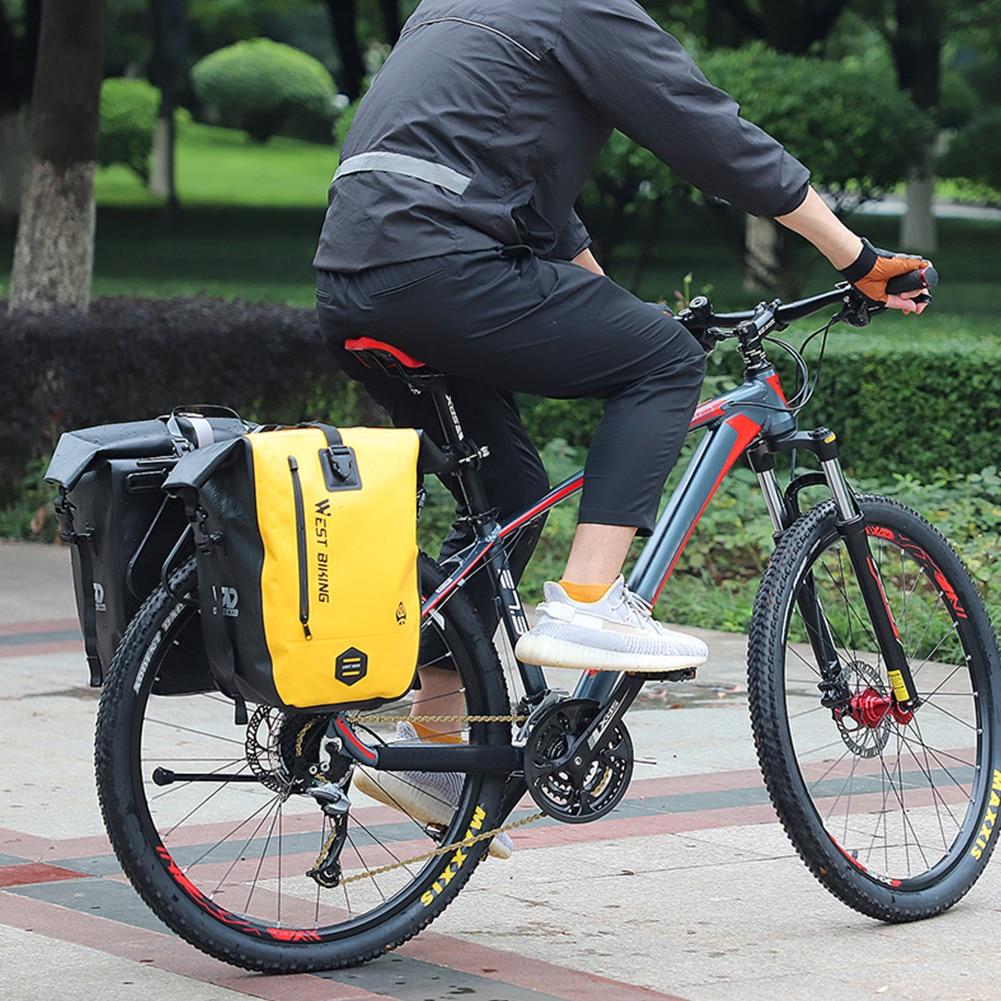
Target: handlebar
[(856, 310)]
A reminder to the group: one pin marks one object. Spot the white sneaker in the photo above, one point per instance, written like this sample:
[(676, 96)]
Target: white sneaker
[(427, 797), (615, 633)]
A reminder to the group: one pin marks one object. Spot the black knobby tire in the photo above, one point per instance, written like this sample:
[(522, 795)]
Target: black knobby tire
[(183, 907), (941, 574)]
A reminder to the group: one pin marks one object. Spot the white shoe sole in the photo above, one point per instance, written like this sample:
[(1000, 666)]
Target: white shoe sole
[(391, 791), (547, 651)]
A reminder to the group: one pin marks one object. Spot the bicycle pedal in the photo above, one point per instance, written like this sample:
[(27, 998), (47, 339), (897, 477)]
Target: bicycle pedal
[(685, 674)]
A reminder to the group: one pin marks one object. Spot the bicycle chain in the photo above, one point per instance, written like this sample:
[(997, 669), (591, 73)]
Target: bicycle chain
[(444, 849), (466, 842)]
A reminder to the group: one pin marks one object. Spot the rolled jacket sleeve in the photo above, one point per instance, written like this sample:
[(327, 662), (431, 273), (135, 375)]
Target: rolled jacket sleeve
[(573, 239), (642, 82)]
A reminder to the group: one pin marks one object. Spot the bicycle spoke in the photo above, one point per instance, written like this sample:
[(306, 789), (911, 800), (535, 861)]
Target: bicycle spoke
[(208, 851), (253, 834), (364, 865), (260, 861), (969, 726), (188, 729), (936, 795)]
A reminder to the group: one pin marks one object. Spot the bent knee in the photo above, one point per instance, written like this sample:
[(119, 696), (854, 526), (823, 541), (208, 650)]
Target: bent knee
[(679, 356)]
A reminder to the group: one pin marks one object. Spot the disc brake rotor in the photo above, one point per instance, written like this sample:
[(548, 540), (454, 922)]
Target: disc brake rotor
[(865, 739), (280, 746), (587, 785)]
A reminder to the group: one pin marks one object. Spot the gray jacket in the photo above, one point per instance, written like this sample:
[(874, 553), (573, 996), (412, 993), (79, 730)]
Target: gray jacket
[(486, 120)]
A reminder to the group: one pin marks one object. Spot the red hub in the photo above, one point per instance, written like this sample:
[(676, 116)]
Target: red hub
[(870, 707)]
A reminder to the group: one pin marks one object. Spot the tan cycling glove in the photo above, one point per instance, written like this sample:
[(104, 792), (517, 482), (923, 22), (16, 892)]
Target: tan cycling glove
[(874, 267)]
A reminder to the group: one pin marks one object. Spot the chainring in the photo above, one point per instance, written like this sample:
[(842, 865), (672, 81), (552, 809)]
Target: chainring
[(591, 784)]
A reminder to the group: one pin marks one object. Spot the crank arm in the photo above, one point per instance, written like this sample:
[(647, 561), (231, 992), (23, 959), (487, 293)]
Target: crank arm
[(609, 716), (166, 777)]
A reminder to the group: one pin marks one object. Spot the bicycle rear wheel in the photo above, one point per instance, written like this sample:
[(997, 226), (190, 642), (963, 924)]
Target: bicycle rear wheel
[(894, 815), (224, 863)]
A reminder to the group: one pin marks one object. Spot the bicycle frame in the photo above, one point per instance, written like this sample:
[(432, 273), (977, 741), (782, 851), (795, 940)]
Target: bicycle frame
[(752, 419), (733, 421)]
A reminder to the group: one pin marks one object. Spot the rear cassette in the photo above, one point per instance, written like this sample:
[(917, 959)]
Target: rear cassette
[(587, 784)]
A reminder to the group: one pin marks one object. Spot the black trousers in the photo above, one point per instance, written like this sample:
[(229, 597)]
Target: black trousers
[(503, 320)]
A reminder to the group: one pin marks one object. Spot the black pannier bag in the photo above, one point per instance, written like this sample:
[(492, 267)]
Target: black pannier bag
[(120, 525)]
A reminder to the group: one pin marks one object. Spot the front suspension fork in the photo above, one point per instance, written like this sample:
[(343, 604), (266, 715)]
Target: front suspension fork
[(851, 526)]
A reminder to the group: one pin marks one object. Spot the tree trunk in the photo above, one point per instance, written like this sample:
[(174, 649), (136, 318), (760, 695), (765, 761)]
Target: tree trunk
[(344, 20), (11, 163), (391, 19), (762, 254), (170, 46), (917, 54), (53, 257), (918, 229), (161, 167)]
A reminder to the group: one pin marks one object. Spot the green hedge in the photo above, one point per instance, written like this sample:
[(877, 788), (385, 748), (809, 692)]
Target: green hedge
[(898, 407), (127, 359)]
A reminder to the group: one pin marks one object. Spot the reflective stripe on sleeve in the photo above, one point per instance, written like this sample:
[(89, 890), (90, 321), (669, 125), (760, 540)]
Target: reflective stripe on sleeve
[(409, 166)]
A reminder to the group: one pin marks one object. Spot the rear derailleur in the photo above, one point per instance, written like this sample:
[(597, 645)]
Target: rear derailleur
[(332, 773)]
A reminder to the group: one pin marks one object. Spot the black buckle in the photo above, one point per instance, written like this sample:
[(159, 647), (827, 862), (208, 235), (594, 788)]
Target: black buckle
[(340, 471)]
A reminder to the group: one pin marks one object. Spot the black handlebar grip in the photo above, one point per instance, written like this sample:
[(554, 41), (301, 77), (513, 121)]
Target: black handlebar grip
[(913, 281)]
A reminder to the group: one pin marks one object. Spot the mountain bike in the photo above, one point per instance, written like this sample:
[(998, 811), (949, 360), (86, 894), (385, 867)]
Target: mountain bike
[(872, 668)]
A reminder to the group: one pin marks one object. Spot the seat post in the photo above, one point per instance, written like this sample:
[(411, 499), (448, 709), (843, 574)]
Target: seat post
[(474, 496)]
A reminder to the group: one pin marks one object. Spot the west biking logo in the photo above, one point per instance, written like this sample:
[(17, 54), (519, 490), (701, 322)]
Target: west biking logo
[(226, 602), (99, 603), (322, 538)]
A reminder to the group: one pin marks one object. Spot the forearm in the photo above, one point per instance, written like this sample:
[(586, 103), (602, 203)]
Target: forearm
[(815, 222), (585, 259)]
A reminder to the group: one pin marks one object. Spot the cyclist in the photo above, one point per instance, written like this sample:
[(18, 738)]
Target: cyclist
[(450, 233)]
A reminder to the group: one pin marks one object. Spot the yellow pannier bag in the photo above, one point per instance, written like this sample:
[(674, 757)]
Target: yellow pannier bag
[(306, 543)]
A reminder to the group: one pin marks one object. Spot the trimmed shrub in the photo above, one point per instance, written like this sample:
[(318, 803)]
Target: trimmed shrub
[(975, 150), (958, 102), (129, 359), (898, 407), (855, 147), (128, 119), (266, 88)]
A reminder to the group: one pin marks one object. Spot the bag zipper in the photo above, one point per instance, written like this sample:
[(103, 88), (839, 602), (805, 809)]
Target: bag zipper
[(300, 528)]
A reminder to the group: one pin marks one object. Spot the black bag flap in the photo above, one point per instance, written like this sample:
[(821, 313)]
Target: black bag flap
[(76, 450), (197, 467)]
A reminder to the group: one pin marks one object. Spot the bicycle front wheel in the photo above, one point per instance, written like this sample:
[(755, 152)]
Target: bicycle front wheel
[(225, 860), (894, 814)]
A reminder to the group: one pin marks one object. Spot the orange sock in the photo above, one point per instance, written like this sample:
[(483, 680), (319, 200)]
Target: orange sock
[(587, 593), (436, 736)]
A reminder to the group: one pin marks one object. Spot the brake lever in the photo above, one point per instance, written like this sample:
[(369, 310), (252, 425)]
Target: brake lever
[(857, 310)]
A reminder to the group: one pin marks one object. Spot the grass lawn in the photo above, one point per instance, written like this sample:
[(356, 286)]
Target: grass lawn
[(217, 166)]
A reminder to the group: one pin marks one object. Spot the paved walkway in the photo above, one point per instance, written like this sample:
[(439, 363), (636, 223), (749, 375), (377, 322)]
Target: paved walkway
[(689, 890)]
